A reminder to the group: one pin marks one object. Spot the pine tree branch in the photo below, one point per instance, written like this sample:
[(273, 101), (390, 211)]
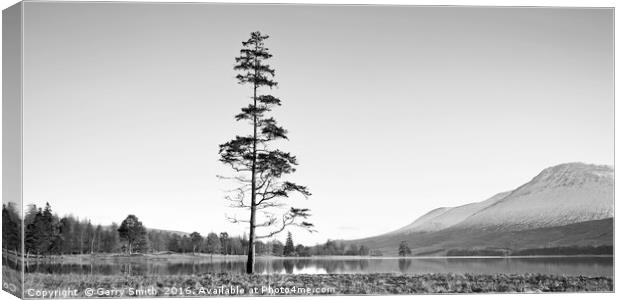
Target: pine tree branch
[(291, 219)]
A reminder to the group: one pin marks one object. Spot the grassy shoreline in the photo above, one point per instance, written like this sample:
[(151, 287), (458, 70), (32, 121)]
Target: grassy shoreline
[(206, 284)]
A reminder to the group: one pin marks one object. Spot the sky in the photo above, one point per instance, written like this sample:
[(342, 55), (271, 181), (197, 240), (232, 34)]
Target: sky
[(392, 111)]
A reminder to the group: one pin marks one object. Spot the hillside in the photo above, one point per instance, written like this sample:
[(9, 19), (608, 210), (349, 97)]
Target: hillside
[(567, 205), (560, 195), (591, 233), (445, 217)]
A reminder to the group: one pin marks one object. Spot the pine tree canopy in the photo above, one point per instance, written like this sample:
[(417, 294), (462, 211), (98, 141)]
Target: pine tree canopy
[(261, 165)]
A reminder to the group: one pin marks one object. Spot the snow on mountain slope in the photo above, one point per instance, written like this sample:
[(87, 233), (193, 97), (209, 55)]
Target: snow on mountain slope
[(445, 217), (559, 195)]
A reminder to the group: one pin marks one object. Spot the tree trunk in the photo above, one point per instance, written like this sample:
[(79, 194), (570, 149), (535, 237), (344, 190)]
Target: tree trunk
[(250, 263)]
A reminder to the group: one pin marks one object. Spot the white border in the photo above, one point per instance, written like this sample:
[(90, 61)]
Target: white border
[(563, 3)]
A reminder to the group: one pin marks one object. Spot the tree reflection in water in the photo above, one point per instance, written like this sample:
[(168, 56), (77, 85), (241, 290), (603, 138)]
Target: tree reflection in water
[(404, 264), (289, 266), (591, 266)]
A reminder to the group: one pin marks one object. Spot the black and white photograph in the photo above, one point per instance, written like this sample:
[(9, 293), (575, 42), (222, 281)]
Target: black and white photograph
[(155, 149)]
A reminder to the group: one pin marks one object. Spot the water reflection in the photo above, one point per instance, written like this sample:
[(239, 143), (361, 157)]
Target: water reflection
[(592, 266), (404, 264)]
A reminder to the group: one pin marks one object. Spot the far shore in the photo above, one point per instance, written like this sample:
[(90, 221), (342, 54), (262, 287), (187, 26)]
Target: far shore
[(205, 256)]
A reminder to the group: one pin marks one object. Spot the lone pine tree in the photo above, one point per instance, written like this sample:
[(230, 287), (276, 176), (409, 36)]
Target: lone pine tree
[(259, 166)]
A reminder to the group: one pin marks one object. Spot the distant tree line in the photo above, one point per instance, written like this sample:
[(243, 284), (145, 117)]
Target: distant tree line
[(478, 252), (575, 250), (340, 248), (566, 250), (11, 228), (48, 234)]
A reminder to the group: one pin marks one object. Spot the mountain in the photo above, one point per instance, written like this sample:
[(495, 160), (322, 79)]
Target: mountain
[(567, 205), (442, 218), (560, 195), (426, 222)]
